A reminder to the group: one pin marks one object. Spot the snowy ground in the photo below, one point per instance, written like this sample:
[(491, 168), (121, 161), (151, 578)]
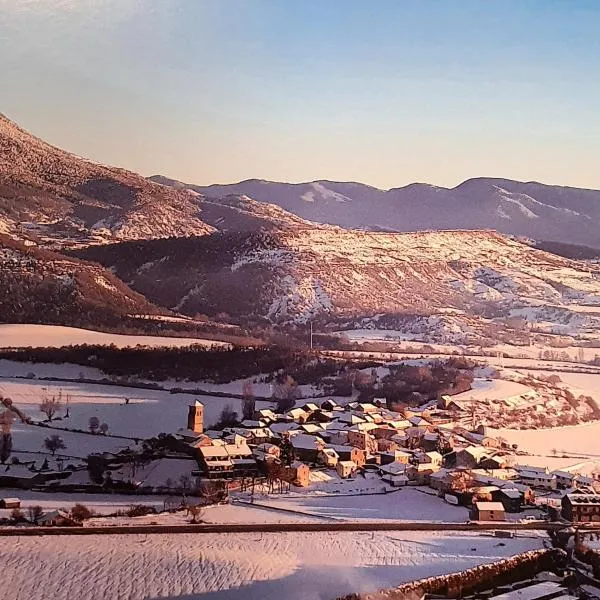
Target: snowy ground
[(148, 413), (407, 504), (22, 336), (578, 440), (237, 566)]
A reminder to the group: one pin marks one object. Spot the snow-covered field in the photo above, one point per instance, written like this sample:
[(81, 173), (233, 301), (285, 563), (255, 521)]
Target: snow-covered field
[(579, 440), (148, 413), (295, 566), (407, 504), (22, 336)]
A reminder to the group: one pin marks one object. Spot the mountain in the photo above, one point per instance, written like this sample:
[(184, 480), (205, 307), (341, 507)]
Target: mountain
[(454, 285), (40, 286), (50, 194), (533, 210)]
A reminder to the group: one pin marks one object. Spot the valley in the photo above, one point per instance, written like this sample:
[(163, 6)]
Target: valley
[(268, 353)]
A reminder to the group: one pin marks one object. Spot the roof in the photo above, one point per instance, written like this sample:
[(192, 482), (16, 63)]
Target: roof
[(393, 468), (511, 493), (347, 463), (490, 506), (305, 441), (531, 592), (584, 499)]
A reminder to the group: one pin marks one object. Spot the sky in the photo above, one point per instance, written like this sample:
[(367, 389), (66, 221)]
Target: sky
[(385, 92)]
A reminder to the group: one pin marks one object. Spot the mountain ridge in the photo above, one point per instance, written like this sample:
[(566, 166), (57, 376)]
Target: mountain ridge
[(530, 209)]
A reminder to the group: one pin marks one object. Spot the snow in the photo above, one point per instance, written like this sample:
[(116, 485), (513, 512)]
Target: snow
[(578, 440), (407, 504), (148, 413), (22, 336), (238, 566), (492, 389)]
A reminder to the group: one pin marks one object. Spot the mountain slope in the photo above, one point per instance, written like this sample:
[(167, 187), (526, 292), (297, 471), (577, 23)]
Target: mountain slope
[(62, 196), (534, 210), (39, 286), (452, 279)]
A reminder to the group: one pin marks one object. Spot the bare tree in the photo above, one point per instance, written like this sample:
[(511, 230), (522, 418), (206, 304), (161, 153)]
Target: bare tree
[(94, 424), (80, 513), (104, 428), (248, 402), (34, 513), (185, 481), (50, 405), (195, 512), (54, 443)]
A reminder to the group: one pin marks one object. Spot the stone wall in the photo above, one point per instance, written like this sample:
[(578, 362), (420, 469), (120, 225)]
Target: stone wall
[(456, 585)]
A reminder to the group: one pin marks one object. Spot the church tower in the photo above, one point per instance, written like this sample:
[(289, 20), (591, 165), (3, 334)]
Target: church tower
[(196, 417)]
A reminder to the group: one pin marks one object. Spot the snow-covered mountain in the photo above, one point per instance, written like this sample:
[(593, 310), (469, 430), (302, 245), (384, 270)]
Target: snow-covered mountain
[(47, 192), (39, 286), (454, 282), (534, 210)]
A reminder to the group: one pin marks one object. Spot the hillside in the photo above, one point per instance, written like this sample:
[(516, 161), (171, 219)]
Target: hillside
[(50, 194), (534, 210), (38, 286), (450, 283)]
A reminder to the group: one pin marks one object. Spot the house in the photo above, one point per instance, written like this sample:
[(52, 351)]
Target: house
[(581, 508), (328, 457), (362, 440), (564, 479), (57, 518), (538, 479), (310, 407), (298, 414), (264, 452), (492, 462), (214, 461), (307, 447), (265, 414), (367, 407), (356, 455), (394, 474), (330, 404), (471, 456), (10, 503), (441, 481), (488, 511), (345, 468), (298, 473), (435, 458), (511, 499)]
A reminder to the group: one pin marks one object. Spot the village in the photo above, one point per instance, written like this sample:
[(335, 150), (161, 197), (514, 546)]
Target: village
[(317, 448)]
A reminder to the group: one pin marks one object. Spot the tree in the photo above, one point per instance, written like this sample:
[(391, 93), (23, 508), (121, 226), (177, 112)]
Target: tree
[(104, 428), (196, 513), (285, 392), (50, 405), (34, 513), (17, 515), (185, 482), (248, 402), (54, 443), (228, 417), (80, 513), (94, 424)]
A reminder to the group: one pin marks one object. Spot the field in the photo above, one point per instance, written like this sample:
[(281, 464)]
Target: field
[(295, 566), (23, 336), (148, 413)]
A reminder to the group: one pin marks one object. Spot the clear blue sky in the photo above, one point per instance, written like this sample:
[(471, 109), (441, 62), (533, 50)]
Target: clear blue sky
[(381, 91)]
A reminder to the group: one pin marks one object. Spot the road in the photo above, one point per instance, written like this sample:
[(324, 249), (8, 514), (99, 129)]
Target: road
[(290, 527)]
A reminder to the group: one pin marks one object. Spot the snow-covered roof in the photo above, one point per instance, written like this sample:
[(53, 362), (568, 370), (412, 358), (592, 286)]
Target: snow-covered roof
[(394, 468), (493, 506)]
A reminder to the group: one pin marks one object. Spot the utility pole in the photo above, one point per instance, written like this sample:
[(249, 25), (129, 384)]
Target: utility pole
[(311, 335)]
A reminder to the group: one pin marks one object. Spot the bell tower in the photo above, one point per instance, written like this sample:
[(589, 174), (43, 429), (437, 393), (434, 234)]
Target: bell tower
[(196, 417)]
